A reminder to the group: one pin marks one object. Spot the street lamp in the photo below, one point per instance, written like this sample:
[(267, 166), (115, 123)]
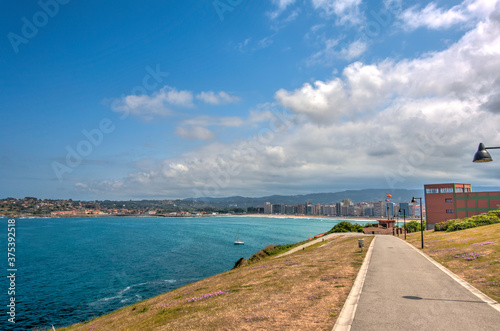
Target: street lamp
[(404, 220), (414, 200), (482, 154)]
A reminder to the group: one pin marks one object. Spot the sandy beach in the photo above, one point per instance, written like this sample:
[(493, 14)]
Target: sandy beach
[(343, 218)]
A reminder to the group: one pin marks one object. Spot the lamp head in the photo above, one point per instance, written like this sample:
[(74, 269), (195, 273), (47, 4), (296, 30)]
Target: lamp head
[(482, 154), (413, 200)]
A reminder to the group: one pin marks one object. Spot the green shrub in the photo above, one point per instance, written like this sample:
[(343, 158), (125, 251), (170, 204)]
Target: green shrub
[(413, 226), (461, 226), (494, 213), (239, 263), (346, 227), (443, 226), (491, 217), (485, 219)]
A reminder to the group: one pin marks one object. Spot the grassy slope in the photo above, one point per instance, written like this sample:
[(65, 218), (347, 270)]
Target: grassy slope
[(452, 248), (303, 291)]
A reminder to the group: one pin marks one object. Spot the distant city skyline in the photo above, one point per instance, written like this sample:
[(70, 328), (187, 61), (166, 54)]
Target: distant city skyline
[(34, 207), (178, 99)]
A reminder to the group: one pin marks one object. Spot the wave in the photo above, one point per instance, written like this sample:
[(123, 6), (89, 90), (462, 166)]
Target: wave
[(120, 295)]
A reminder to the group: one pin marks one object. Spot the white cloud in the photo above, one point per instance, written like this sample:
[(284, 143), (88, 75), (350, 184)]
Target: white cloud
[(195, 133), (248, 45), (265, 42), (205, 120), (219, 98), (163, 102), (280, 7), (178, 98), (196, 128), (407, 122), (432, 17), (333, 50), (243, 46), (346, 11), (159, 103), (321, 101), (354, 50), (466, 70), (179, 167), (327, 55)]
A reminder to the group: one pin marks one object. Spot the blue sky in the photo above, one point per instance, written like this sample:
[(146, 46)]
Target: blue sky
[(174, 99)]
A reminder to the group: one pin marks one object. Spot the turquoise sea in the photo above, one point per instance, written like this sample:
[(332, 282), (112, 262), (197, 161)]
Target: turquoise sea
[(72, 269)]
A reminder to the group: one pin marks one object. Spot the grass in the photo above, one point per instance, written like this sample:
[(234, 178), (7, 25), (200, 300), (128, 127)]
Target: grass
[(302, 291), (472, 254)]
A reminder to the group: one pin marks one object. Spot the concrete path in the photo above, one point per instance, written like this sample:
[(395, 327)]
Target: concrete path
[(317, 240), (404, 290)]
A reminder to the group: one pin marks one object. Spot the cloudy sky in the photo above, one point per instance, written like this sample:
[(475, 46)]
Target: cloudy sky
[(174, 99)]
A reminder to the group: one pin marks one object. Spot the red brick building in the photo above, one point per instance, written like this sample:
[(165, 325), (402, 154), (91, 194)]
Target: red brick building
[(449, 201)]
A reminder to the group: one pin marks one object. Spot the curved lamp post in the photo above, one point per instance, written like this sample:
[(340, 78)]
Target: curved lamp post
[(414, 200), (482, 154)]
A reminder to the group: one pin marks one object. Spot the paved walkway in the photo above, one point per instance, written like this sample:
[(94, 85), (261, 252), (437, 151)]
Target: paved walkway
[(317, 240), (403, 290)]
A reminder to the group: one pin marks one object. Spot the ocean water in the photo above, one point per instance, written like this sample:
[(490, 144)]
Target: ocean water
[(72, 269)]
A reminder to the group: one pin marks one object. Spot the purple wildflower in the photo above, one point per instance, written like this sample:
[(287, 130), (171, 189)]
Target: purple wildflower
[(468, 256), (208, 295), (483, 243), (443, 249)]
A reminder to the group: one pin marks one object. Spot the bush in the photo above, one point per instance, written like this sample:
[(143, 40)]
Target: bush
[(443, 226), (491, 217), (485, 219), (413, 226), (346, 227), (494, 213), (460, 226), (239, 263)]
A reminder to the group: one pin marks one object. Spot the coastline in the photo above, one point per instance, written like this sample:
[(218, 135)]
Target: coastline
[(340, 218)]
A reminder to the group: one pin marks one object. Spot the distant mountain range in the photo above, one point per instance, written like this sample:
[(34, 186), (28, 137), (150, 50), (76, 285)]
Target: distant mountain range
[(367, 195)]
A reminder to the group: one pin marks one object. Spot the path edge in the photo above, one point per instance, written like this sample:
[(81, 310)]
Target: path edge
[(492, 303), (346, 316)]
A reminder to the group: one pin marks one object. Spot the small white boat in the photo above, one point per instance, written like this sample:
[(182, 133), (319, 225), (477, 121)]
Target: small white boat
[(238, 241)]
